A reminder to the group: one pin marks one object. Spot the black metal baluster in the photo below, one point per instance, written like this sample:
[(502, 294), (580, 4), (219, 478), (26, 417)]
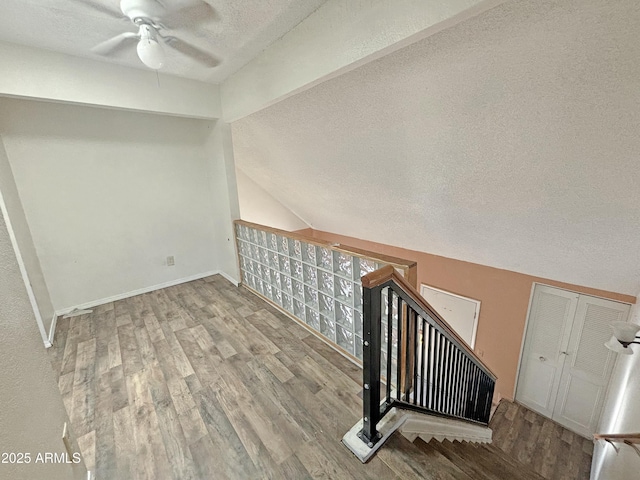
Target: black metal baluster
[(441, 347), (407, 356), (447, 379), (389, 340), (414, 319), (430, 366), (399, 352), (423, 350)]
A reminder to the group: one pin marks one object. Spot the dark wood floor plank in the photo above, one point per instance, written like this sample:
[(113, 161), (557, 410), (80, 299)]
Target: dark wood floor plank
[(205, 380)]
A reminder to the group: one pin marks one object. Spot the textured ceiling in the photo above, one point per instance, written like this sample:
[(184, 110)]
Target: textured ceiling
[(510, 140), (232, 31)]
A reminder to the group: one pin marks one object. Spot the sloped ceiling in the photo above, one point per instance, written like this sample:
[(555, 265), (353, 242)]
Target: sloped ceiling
[(231, 31), (510, 140)]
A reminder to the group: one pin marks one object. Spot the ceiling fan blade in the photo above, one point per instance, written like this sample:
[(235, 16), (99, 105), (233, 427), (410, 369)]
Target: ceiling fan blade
[(114, 13), (199, 55), (111, 46)]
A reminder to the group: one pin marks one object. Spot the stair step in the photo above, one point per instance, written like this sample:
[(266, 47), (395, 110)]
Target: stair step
[(480, 461)]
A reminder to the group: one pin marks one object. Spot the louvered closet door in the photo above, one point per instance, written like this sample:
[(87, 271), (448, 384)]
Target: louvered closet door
[(588, 364), (548, 330)]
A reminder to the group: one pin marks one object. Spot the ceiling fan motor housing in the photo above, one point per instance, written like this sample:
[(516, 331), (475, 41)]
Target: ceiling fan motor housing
[(141, 11)]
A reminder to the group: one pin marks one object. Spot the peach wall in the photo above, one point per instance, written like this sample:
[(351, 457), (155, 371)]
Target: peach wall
[(504, 297)]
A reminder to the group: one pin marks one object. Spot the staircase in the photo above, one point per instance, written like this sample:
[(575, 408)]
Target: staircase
[(422, 381), (419, 376), (470, 461)]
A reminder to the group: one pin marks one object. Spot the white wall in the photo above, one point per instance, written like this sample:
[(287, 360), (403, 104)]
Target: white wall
[(224, 198), (17, 222), (259, 206), (621, 414), (32, 414), (508, 140), (43, 75), (109, 195)]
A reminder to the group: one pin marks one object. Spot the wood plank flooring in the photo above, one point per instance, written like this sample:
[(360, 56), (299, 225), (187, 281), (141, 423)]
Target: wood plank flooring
[(541, 444), (205, 380)]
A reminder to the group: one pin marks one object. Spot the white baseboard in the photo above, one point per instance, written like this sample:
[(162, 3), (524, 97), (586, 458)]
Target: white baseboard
[(228, 277), (140, 291), (52, 330)]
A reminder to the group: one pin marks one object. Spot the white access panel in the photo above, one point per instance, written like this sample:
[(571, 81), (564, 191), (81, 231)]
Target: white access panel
[(460, 312)]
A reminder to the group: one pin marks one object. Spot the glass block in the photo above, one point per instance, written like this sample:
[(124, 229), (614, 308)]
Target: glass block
[(309, 253), (357, 296), (252, 282), (257, 269), (344, 338), (262, 239), (255, 252), (272, 241), (344, 315), (344, 289), (296, 270), (324, 258), (298, 308), (245, 276), (243, 263), (264, 255), (285, 265), (267, 289), (259, 286), (343, 264), (255, 236), (275, 279), (325, 282), (358, 346), (326, 305), (274, 262), (328, 328), (312, 318), (283, 245), (287, 303), (277, 296), (310, 275), (297, 250), (285, 282), (297, 289), (366, 266), (242, 248), (357, 322), (240, 232), (310, 296)]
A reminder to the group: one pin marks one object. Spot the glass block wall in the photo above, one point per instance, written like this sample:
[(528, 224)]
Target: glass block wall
[(319, 285)]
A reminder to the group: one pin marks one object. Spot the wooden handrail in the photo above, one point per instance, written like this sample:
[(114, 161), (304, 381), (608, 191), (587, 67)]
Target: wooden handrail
[(383, 275), (627, 438)]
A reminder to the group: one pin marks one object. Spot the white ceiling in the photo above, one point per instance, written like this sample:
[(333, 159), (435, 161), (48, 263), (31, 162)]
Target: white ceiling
[(235, 31), (510, 140)]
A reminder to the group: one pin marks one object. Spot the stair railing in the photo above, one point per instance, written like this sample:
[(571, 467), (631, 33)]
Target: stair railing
[(423, 364)]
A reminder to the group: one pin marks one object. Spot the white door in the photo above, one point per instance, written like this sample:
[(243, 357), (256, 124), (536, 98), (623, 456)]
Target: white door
[(548, 329), (460, 313), (565, 367), (588, 364)]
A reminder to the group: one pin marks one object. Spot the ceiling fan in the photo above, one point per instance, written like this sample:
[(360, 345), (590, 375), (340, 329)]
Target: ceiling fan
[(153, 18)]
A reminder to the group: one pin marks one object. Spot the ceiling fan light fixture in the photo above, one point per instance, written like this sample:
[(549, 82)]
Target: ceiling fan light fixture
[(149, 49)]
